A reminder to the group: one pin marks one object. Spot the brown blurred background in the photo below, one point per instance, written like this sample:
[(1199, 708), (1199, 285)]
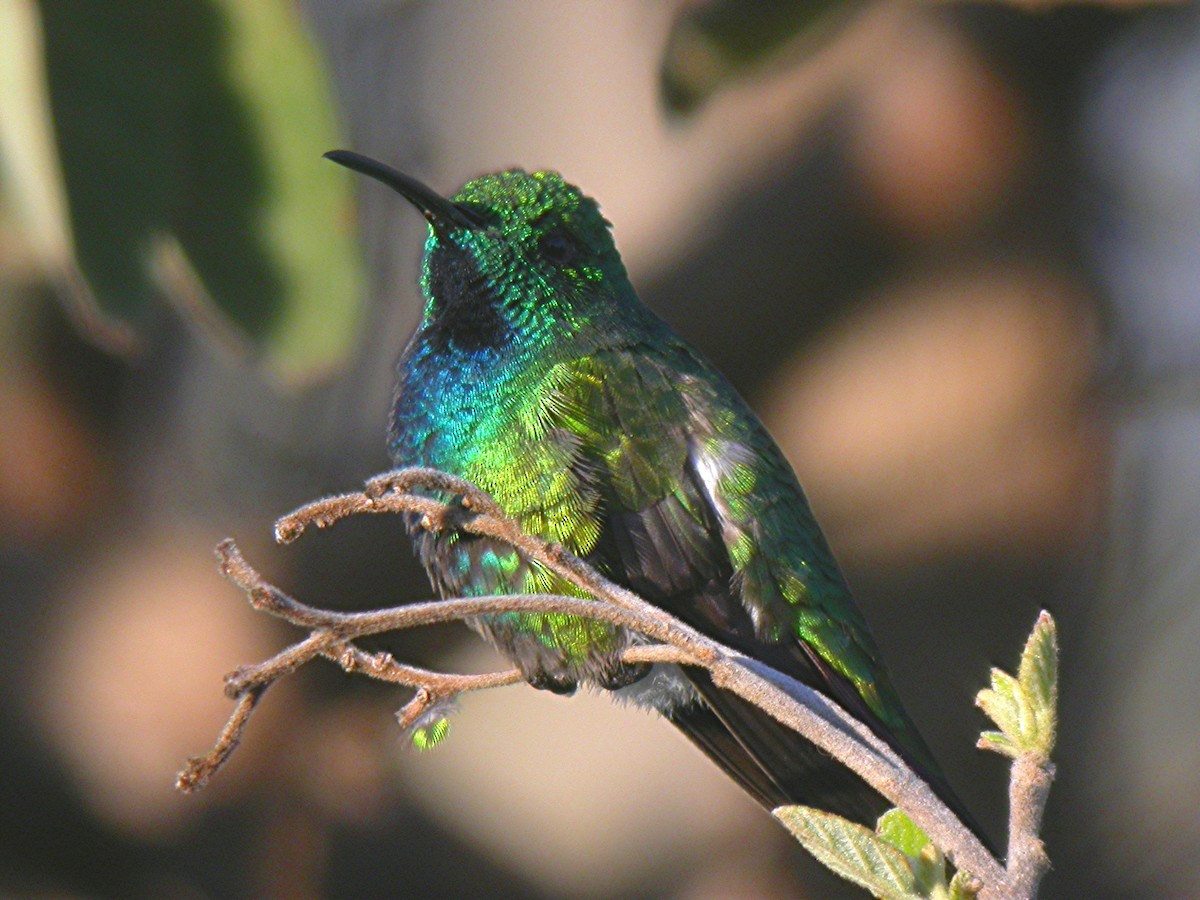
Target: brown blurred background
[(951, 252)]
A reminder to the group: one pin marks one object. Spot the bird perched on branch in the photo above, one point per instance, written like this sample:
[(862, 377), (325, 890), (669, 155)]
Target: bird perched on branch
[(537, 374)]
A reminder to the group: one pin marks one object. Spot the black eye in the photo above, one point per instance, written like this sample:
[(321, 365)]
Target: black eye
[(557, 248)]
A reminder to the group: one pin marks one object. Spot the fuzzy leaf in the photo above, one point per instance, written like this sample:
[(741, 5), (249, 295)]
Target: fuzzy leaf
[(1026, 707), (998, 742), (927, 861), (1038, 675), (901, 832), (1002, 702), (852, 851)]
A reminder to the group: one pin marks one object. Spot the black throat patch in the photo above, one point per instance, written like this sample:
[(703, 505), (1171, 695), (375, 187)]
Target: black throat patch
[(466, 307)]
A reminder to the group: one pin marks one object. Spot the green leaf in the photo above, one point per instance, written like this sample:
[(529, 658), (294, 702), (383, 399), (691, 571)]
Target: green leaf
[(852, 851), (1026, 707), (1002, 703), (927, 861), (32, 176), (1038, 675), (201, 126), (280, 79), (901, 832), (27, 137), (998, 742)]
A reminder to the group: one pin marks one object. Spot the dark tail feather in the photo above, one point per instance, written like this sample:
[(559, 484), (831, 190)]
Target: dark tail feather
[(709, 733), (777, 767), (769, 760)]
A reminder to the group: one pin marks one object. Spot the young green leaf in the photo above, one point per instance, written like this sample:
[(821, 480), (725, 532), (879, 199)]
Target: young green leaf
[(852, 851), (1038, 675), (927, 861), (1025, 707), (895, 827)]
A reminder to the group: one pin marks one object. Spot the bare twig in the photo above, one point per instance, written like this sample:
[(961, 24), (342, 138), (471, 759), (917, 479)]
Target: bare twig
[(1028, 791), (200, 769), (470, 510)]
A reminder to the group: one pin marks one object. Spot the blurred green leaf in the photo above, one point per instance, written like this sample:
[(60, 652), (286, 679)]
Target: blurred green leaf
[(202, 123), (33, 187), (852, 851), (26, 134), (714, 42)]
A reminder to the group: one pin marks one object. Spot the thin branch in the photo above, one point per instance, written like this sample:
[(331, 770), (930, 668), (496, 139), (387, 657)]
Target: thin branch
[(1028, 791), (470, 510), (200, 769)]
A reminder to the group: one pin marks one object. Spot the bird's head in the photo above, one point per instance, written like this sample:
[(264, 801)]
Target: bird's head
[(527, 244)]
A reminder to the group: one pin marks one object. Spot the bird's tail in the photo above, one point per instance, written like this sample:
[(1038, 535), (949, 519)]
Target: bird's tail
[(777, 767), (769, 760)]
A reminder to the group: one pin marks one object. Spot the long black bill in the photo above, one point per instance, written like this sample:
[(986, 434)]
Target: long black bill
[(437, 209)]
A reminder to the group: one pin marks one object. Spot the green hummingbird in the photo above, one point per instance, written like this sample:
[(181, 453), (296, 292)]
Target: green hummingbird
[(537, 374)]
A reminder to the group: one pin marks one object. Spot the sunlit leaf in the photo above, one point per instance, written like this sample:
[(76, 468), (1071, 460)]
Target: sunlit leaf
[(1002, 702), (852, 851), (927, 862), (998, 742), (32, 177), (1038, 675), (895, 827), (1025, 708)]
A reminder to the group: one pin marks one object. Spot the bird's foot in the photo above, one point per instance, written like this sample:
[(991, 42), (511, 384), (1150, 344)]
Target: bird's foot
[(563, 685), (622, 676)]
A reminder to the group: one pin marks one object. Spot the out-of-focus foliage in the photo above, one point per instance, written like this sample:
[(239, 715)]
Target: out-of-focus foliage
[(184, 133), (715, 42)]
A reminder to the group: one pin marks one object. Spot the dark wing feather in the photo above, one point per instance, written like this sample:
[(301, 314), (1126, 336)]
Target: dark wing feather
[(671, 553), (675, 551)]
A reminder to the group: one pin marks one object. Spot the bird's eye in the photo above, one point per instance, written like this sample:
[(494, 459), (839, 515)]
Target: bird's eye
[(557, 248)]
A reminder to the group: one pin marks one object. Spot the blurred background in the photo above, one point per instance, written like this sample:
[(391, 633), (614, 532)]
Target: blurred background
[(950, 251)]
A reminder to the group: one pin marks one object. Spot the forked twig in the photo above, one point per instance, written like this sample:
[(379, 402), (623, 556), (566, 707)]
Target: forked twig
[(449, 503)]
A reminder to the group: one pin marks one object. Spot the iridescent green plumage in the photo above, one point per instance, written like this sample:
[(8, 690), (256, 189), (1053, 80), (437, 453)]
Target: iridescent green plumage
[(538, 375)]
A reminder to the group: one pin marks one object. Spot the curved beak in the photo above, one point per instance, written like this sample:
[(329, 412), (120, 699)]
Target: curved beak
[(440, 212)]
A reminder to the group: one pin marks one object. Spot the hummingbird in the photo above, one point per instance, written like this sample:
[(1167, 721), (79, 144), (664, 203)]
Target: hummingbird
[(537, 374)]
